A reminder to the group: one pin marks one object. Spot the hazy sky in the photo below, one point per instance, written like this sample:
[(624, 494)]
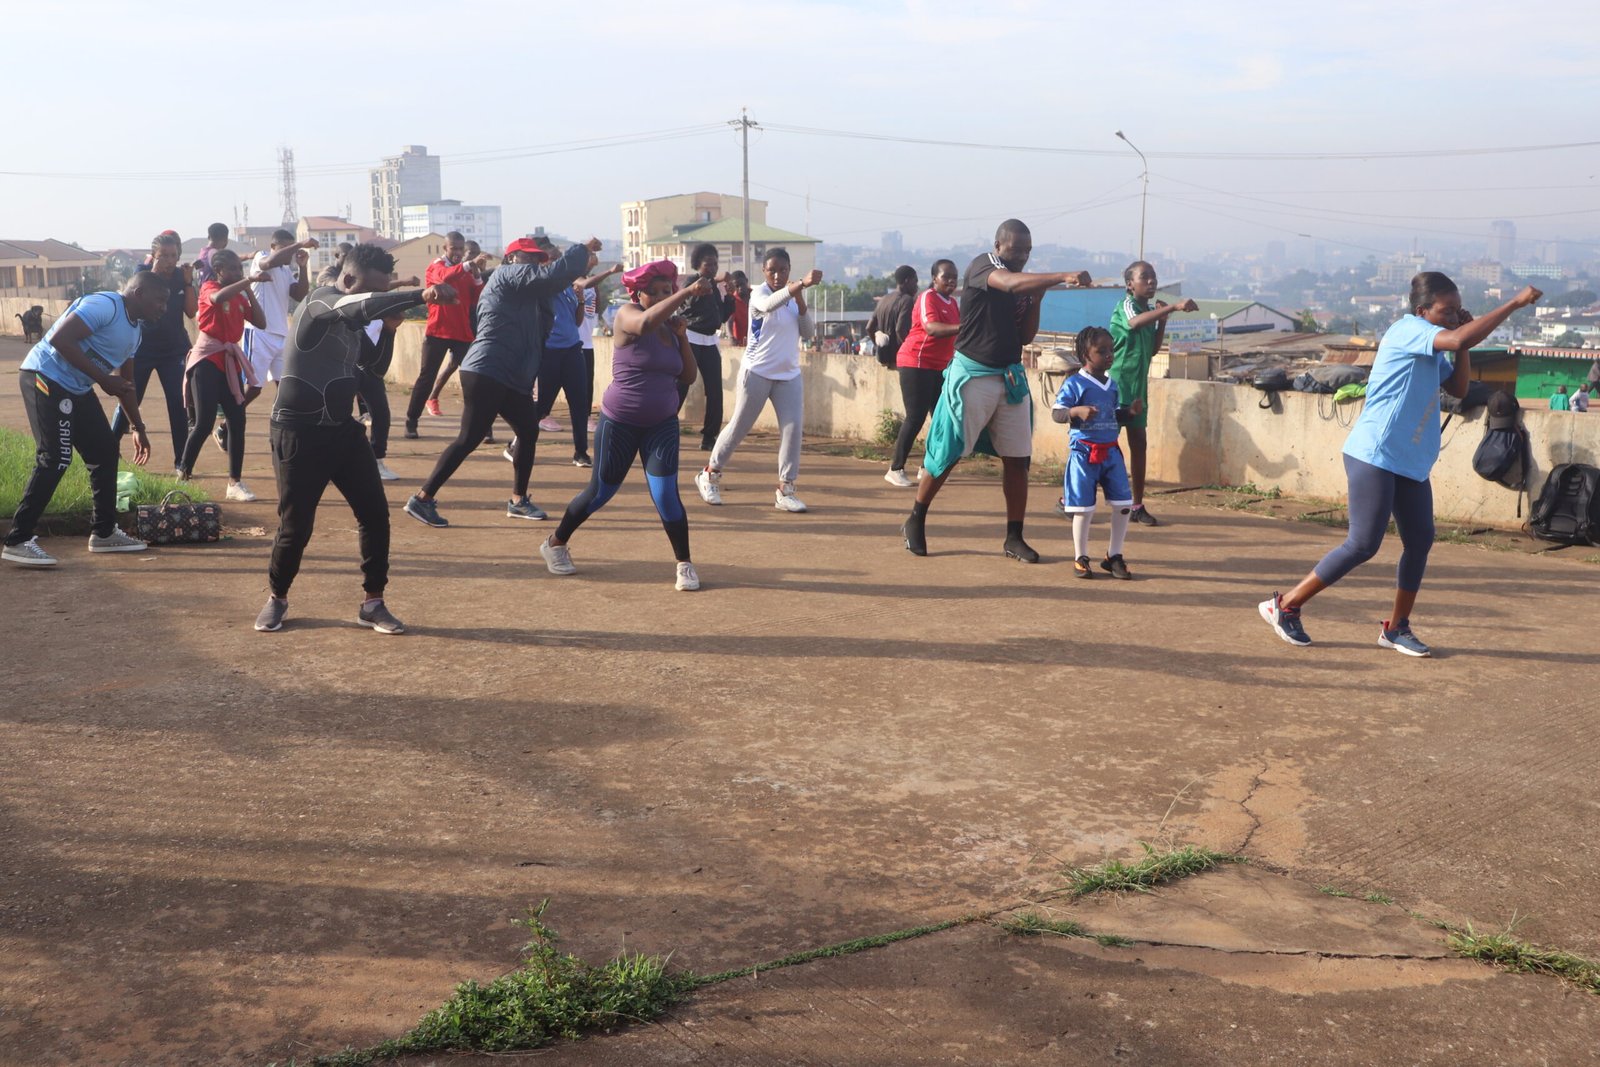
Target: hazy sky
[(206, 93)]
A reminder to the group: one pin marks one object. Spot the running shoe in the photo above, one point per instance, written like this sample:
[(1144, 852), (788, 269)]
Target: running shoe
[(271, 618), (707, 444), (1285, 622), (425, 511), (240, 492), (220, 436), (178, 475), (1400, 638), (433, 407), (688, 581), (898, 478), (593, 422), (783, 499), (488, 438), (115, 541), (557, 560), (1061, 505), (411, 431), (380, 618), (549, 425), (385, 473), (582, 460), (915, 534), (508, 454), (1116, 567), (29, 554), (710, 485), (1142, 516), (1018, 549), (523, 508), (1081, 568)]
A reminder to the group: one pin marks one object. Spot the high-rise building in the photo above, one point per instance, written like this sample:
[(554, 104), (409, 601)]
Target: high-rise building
[(1503, 241), (412, 177), (475, 222), (645, 220), (894, 245)]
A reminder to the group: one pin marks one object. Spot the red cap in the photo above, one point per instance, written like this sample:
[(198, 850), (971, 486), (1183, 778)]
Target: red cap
[(527, 244)]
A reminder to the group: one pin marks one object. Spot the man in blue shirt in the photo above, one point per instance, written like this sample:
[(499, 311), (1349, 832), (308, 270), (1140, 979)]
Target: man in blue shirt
[(92, 344)]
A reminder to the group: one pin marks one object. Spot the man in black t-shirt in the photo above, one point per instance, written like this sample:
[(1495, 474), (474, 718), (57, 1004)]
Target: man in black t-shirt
[(986, 391)]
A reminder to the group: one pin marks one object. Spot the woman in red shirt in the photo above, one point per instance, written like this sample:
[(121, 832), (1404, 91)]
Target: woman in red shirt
[(739, 322), (924, 354), (216, 365)]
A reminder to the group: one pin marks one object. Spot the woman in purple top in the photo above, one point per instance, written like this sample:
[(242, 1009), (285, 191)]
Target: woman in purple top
[(639, 413)]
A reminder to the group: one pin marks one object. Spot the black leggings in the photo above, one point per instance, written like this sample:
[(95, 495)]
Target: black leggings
[(433, 353), (63, 421), (482, 399), (306, 459), (616, 446), (170, 371), (563, 371), (708, 358), (208, 387), (919, 391), (376, 401)]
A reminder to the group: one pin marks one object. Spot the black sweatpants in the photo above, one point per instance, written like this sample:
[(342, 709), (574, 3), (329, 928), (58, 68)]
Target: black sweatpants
[(169, 369), (708, 358), (62, 421), (616, 446), (208, 387), (376, 400), (563, 371), (919, 392), (306, 459), (434, 350), (482, 398)]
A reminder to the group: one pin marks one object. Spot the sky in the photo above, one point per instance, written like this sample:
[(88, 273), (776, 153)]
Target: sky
[(122, 123)]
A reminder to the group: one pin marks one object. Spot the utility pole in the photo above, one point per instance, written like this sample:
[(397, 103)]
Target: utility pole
[(291, 210), (744, 123), (1145, 193)]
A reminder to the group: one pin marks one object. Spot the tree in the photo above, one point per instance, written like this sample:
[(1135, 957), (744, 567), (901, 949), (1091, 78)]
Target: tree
[(1307, 322), (1570, 339), (1577, 298)]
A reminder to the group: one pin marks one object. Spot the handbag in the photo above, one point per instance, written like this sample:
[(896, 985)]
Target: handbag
[(186, 523)]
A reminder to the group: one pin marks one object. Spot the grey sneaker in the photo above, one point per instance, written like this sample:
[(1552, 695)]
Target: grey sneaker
[(29, 554), (1285, 622), (557, 559), (115, 541), (1401, 639), (385, 473), (425, 512), (271, 618), (898, 477), (524, 509), (380, 618)]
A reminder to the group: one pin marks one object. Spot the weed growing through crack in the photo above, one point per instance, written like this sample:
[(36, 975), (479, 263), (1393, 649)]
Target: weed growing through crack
[(1030, 924), (1141, 876), (1378, 898), (1514, 954), (1333, 891), (843, 948)]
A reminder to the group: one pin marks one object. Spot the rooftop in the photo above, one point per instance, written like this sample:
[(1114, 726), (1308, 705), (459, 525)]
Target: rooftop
[(725, 230)]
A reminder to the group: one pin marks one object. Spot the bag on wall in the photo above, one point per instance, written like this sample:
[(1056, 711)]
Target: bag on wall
[(1503, 455), (1566, 509)]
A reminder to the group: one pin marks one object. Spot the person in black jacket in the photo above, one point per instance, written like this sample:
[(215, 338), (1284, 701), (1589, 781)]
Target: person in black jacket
[(891, 316), (704, 316)]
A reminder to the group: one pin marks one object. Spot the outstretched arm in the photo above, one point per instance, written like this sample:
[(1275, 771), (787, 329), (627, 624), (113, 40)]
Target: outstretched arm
[(1159, 313), (1022, 283), (637, 321), (364, 307), (1475, 331)]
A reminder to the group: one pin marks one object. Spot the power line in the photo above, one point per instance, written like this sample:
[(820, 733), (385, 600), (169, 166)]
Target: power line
[(1377, 215)]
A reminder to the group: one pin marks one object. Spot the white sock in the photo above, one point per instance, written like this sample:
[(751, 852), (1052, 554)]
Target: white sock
[(1080, 532), (1119, 530)]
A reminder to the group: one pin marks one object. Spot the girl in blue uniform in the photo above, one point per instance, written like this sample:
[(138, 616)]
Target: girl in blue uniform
[(1090, 402)]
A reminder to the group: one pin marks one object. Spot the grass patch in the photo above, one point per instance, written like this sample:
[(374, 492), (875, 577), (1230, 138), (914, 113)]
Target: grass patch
[(70, 507), (888, 427), (1333, 891), (1154, 869), (1031, 924), (1513, 954), (843, 948), (1378, 898)]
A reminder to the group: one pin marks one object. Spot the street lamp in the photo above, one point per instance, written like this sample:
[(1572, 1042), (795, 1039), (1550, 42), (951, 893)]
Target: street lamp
[(1144, 193)]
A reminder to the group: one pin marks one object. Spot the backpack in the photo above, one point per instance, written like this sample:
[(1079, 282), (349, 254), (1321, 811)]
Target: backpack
[(1566, 511), (1273, 380), (1502, 455)]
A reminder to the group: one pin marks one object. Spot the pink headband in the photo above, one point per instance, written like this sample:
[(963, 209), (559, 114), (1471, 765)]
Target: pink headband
[(642, 275)]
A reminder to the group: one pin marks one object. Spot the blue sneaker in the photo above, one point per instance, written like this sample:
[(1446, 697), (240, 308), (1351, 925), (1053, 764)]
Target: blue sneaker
[(1400, 638), (1285, 622), (524, 508), (425, 511)]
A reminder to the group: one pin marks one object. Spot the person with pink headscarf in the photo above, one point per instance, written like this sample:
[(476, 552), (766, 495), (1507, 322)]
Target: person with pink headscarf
[(639, 414)]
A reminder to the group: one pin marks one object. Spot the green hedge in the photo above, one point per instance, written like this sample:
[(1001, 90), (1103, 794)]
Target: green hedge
[(71, 501)]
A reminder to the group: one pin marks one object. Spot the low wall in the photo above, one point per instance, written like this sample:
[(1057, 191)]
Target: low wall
[(12, 306), (1201, 433)]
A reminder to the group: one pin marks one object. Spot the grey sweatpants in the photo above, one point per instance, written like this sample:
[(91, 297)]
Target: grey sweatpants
[(750, 395)]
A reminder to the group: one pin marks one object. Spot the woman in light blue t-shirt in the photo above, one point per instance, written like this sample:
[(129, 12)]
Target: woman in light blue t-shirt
[(1392, 449)]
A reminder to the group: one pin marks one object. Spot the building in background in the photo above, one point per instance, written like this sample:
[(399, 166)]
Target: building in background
[(411, 258), (728, 235), (412, 177), (1503, 241), (475, 222), (646, 220), (48, 268), (331, 231), (1485, 271)]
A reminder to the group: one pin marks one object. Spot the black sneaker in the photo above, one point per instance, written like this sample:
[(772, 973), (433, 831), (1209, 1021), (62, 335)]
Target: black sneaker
[(1142, 516), (914, 533), (1114, 566), (411, 431), (707, 444), (220, 436), (582, 460), (1081, 568), (1018, 549), (425, 511)]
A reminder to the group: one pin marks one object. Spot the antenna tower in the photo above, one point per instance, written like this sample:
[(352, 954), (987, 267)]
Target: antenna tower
[(291, 210)]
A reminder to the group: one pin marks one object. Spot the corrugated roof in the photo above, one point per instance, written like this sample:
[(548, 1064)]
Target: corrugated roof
[(725, 230), (50, 249), (1548, 352)]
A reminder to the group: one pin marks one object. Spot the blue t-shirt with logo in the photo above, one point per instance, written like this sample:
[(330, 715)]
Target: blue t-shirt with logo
[(112, 341), (1398, 428), (1085, 388), (563, 324)]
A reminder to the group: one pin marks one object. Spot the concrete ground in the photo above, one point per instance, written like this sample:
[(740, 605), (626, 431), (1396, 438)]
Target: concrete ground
[(224, 847)]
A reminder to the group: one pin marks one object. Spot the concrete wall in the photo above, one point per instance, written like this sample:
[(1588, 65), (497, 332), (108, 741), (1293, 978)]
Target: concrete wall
[(12, 306), (1201, 432)]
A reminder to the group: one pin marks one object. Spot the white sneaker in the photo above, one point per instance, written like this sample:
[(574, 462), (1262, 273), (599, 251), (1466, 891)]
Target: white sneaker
[(688, 580), (510, 456), (710, 485), (556, 558), (115, 541), (29, 554), (785, 500), (385, 473), (240, 492), (899, 478)]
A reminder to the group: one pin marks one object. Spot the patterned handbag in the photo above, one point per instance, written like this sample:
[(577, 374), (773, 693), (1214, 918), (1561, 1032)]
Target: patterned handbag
[(168, 523)]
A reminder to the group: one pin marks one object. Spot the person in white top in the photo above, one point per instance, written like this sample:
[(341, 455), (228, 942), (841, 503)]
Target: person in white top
[(285, 287), (770, 370)]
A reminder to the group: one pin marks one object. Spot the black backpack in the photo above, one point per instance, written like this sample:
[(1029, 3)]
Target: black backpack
[(1269, 381), (1502, 455), (1567, 509)]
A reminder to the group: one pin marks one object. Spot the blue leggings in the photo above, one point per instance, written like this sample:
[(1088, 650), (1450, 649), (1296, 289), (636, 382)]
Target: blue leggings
[(1375, 494), (616, 445)]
